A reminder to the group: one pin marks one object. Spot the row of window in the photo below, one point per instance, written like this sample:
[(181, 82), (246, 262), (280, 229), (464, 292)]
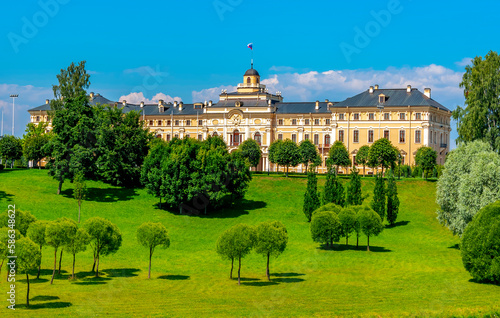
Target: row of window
[(371, 116), (402, 137), (176, 122)]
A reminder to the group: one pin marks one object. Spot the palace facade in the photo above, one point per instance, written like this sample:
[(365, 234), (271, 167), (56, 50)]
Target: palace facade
[(407, 117)]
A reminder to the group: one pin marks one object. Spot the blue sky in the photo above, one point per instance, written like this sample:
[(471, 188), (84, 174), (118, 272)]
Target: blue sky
[(190, 50)]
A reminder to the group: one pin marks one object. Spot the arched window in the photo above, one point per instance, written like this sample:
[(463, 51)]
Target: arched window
[(257, 80), (258, 137), (235, 138), (327, 140), (248, 80)]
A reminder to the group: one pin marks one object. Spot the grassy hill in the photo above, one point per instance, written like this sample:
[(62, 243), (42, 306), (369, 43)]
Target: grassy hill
[(413, 269)]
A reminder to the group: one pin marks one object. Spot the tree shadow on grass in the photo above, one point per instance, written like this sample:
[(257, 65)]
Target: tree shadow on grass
[(44, 298), (239, 208), (105, 195), (174, 277), (286, 274), (361, 248), (288, 280), (92, 281), (121, 272), (399, 223), (55, 305), (5, 196), (482, 282), (34, 280), (259, 283), (456, 246)]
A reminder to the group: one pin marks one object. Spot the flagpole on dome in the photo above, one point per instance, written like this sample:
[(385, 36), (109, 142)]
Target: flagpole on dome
[(250, 46)]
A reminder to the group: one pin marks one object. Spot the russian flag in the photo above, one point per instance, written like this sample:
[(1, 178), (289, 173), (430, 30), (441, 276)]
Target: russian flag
[(250, 46)]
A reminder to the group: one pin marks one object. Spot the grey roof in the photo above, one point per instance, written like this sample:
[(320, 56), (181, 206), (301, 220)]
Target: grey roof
[(244, 103), (302, 108), (251, 71), (394, 97)]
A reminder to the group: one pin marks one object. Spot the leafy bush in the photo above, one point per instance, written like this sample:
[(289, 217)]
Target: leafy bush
[(481, 244), (1, 167)]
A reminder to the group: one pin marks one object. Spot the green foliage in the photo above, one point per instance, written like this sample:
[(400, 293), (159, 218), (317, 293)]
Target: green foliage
[(271, 239), (225, 248), (105, 236), (334, 190), (311, 197), (11, 148), (354, 195), (274, 149), (370, 223), (392, 200), (72, 82), (426, 159), (382, 153), (151, 235), (250, 150), (338, 156), (480, 119), (379, 197), (23, 220), (287, 154), (28, 258), (122, 143), (36, 232), (348, 220), (332, 207), (470, 181), (151, 172), (363, 156), (326, 227), (78, 242), (480, 244), (238, 176), (308, 153), (58, 233), (35, 142), (80, 191)]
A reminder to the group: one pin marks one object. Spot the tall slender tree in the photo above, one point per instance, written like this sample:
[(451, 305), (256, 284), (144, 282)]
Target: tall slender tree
[(392, 200), (354, 195), (334, 190), (379, 199), (311, 197)]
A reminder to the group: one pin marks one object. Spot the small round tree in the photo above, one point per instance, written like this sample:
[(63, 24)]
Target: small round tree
[(288, 154), (325, 228), (36, 232), (270, 240), (370, 223), (76, 244), (274, 148), (225, 248), (426, 159), (151, 235), (362, 156), (23, 220), (480, 244), (58, 234), (28, 258), (347, 218), (382, 153), (250, 150), (308, 153), (329, 207), (338, 156)]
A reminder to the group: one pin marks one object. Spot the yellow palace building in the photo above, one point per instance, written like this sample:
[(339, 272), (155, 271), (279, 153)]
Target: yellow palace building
[(407, 117)]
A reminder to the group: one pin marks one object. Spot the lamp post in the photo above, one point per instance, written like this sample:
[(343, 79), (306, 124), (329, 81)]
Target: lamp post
[(380, 108), (13, 96)]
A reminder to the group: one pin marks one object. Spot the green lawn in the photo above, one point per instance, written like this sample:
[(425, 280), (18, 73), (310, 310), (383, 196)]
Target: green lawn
[(414, 269)]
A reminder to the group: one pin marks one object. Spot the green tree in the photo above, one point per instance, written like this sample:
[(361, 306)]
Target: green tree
[(309, 153), (338, 156), (392, 200), (23, 220), (270, 240), (28, 258), (105, 238), (225, 248), (57, 234), (11, 148), (332, 207), (36, 232), (334, 190), (35, 141), (7, 236), (311, 197), (76, 244), (480, 119), (347, 218), (480, 245), (237, 243), (122, 144), (371, 224), (362, 156), (80, 191), (274, 150), (426, 159), (151, 173), (354, 195), (288, 155), (382, 153), (379, 197), (470, 181), (151, 235), (238, 176), (326, 228), (250, 150)]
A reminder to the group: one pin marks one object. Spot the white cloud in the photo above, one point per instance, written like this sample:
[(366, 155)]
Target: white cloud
[(211, 93), (464, 62), (136, 98)]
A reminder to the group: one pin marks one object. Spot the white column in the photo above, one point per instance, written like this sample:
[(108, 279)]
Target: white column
[(268, 137), (224, 131), (426, 136)]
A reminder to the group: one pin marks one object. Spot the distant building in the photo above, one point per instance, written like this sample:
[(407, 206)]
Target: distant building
[(407, 117)]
